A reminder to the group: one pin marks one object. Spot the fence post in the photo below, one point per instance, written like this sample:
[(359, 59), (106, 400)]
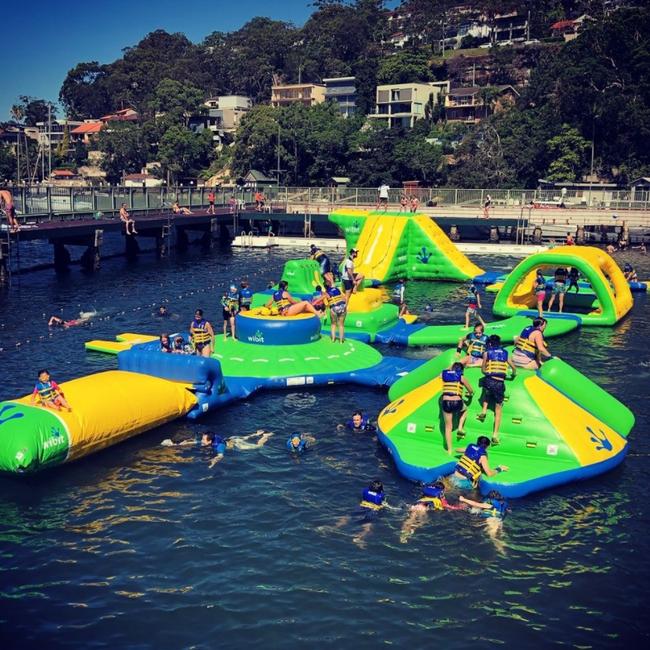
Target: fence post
[(48, 200), (456, 196)]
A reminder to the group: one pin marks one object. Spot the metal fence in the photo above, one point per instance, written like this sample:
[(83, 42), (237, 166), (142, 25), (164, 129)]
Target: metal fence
[(39, 199)]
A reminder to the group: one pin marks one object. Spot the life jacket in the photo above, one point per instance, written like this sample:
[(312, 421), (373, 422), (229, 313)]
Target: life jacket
[(398, 291), (301, 445), (46, 391), (372, 500), (540, 284), (230, 301), (451, 384), (472, 294), (497, 363), (524, 343), (499, 509), (280, 301), (219, 445), (468, 465), (317, 255), (477, 344), (334, 296), (245, 296), (200, 334)]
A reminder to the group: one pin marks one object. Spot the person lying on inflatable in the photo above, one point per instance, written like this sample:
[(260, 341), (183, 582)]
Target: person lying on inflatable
[(286, 304)]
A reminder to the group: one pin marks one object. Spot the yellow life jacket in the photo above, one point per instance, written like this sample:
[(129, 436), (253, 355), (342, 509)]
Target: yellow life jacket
[(370, 505), (451, 384), (432, 502), (470, 469), (200, 334)]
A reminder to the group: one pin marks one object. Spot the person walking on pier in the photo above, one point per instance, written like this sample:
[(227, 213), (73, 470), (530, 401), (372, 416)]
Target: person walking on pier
[(125, 218), (211, 208), (7, 205), (486, 207)]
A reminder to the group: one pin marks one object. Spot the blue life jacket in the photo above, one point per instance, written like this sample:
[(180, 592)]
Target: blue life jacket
[(302, 445), (245, 296), (432, 491), (219, 445), (524, 344), (499, 509), (280, 301), (398, 291), (451, 383), (372, 500), (364, 426), (469, 463), (477, 344), (540, 284), (472, 294), (497, 363)]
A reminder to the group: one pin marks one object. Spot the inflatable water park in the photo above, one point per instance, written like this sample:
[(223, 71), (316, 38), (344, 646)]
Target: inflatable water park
[(557, 425)]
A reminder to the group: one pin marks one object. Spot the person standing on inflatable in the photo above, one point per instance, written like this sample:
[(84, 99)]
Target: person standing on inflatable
[(539, 287), (338, 305), (245, 296), (230, 306), (451, 400), (473, 305), (202, 335), (351, 280), (495, 368), (323, 260)]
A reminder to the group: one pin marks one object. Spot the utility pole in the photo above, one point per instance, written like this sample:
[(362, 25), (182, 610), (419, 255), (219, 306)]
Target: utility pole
[(49, 140), (277, 164), (18, 156)]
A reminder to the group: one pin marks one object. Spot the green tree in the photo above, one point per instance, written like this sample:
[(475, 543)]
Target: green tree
[(418, 159), (568, 153), (184, 153), (7, 163), (30, 110), (84, 93), (404, 67), (177, 100), (124, 148)]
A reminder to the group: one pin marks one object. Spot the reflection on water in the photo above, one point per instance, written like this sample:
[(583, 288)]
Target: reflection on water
[(145, 546)]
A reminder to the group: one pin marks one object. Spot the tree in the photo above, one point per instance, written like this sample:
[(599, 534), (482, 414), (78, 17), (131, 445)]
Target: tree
[(419, 160), (30, 110), (568, 152), (124, 149), (184, 153), (7, 163), (404, 67), (84, 93), (177, 100)]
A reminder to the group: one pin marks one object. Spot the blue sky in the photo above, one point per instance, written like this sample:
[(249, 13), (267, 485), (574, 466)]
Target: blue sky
[(42, 39)]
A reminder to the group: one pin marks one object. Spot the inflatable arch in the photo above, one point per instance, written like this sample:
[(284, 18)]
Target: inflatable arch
[(610, 298)]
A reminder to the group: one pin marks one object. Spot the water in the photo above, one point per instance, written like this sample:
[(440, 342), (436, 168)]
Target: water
[(144, 546)]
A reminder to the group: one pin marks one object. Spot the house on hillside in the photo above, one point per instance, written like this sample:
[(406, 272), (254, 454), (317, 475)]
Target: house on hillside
[(86, 132), (257, 180), (305, 94), (123, 115), (570, 28), (468, 104), (343, 92), (400, 105), (223, 115), (141, 180)]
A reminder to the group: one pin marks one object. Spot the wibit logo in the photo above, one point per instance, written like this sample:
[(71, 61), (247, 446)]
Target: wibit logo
[(55, 440), (602, 443), (258, 337), (354, 227), (5, 415), (392, 408), (423, 256)]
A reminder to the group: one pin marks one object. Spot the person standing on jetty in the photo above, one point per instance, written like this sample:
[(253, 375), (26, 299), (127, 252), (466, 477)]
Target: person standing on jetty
[(7, 204), (383, 197)]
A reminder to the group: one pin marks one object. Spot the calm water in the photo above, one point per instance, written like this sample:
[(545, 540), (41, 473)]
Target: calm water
[(143, 546)]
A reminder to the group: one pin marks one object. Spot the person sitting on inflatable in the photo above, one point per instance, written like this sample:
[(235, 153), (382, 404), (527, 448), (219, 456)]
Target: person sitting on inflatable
[(475, 343), (337, 304), (360, 423), (48, 393), (166, 344), (630, 273), (286, 305), (180, 347), (230, 306), (495, 367), (324, 262), (530, 347), (451, 400), (473, 463), (245, 296), (539, 287), (202, 334), (433, 498), (473, 305), (318, 299)]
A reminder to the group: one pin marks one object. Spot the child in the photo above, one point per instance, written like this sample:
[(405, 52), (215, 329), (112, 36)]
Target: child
[(574, 276), (433, 498), (630, 273), (540, 291), (494, 509), (165, 344), (473, 305), (359, 423), (398, 297), (245, 296), (49, 393), (452, 402), (230, 304)]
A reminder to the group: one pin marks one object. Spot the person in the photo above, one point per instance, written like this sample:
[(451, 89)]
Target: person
[(539, 287), (383, 197), (415, 203), (494, 508), (318, 299), (245, 296), (337, 304), (286, 304), (432, 498), (530, 347), (351, 280), (475, 342), (630, 273), (48, 393), (230, 305), (177, 209), (473, 305), (259, 201), (398, 297), (404, 204), (495, 366), (202, 335), (211, 208), (180, 347), (162, 312), (299, 442), (559, 288), (486, 206), (125, 218), (451, 400), (611, 249), (323, 260), (574, 276), (473, 463), (84, 317), (569, 241), (359, 423), (166, 344), (8, 207)]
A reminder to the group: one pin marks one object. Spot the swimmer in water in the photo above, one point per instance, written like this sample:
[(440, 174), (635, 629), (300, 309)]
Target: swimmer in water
[(299, 442), (163, 312), (84, 317), (494, 509), (433, 498), (358, 423)]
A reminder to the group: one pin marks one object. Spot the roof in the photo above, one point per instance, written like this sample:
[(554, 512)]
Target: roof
[(563, 24), (340, 179), (256, 175), (465, 91), (62, 172), (125, 114), (644, 180), (88, 127), (137, 177)]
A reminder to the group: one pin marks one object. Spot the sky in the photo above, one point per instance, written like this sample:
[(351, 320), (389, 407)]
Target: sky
[(43, 40)]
